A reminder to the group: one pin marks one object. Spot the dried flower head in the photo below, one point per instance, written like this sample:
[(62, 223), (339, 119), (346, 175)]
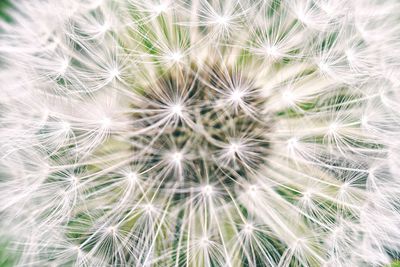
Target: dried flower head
[(200, 133)]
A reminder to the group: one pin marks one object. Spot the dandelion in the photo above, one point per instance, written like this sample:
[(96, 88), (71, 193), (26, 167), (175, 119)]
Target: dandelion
[(200, 133)]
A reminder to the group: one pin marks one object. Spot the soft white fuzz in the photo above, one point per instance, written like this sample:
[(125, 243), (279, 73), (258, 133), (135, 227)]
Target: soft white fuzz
[(200, 133)]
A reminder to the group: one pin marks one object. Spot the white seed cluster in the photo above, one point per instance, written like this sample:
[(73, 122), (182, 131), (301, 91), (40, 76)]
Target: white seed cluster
[(200, 133)]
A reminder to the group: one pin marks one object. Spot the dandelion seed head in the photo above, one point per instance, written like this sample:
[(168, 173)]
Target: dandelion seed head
[(199, 133)]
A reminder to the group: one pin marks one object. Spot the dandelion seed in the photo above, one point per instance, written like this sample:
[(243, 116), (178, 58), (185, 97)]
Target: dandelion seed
[(222, 20), (161, 8), (207, 190), (248, 228), (252, 191), (174, 57), (234, 148), (177, 157), (105, 123), (365, 121), (63, 67), (333, 128), (292, 143), (236, 96), (272, 51), (111, 230), (177, 110), (104, 28), (204, 242), (114, 74), (289, 98), (65, 126), (132, 177), (149, 208)]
